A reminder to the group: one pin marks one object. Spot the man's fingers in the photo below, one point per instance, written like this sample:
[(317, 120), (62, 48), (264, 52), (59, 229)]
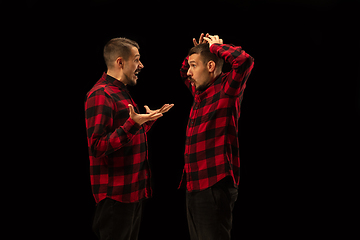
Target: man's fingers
[(147, 108), (151, 114), (201, 38), (155, 116), (163, 107), (167, 108), (213, 39), (131, 109)]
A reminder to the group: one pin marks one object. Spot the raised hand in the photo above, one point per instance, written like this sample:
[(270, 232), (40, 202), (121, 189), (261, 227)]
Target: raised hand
[(213, 39), (165, 108), (201, 39), (143, 118)]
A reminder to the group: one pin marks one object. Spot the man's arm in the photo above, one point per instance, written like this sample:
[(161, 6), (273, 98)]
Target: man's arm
[(99, 116), (183, 73), (241, 64)]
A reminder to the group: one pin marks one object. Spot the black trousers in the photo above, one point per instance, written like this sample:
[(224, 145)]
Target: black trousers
[(209, 212), (114, 220)]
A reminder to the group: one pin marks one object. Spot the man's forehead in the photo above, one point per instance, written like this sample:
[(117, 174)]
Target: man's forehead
[(135, 51), (194, 57)]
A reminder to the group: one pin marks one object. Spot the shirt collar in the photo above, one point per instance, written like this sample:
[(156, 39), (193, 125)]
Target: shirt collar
[(115, 82), (209, 91)]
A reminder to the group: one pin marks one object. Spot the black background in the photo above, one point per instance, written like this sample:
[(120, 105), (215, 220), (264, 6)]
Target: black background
[(299, 116)]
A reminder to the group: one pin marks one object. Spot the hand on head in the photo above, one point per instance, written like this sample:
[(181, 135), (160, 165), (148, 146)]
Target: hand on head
[(211, 39)]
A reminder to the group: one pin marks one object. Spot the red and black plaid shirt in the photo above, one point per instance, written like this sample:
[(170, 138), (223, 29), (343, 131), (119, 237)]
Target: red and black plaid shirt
[(119, 167), (212, 145)]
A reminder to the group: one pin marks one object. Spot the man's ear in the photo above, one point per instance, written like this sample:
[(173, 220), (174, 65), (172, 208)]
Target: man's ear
[(211, 66), (120, 62)]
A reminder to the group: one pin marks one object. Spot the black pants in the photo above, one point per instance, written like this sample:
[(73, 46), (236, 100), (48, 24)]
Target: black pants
[(209, 212), (114, 220)]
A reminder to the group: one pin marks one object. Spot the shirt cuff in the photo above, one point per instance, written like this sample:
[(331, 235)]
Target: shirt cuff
[(131, 127), (214, 47)]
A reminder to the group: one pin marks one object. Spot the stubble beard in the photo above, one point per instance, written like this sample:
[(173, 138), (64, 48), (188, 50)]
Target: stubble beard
[(130, 81)]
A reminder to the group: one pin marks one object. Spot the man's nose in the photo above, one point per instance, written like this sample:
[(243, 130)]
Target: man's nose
[(189, 73), (141, 65)]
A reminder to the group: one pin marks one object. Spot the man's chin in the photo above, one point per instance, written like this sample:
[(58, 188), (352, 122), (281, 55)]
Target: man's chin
[(200, 88), (133, 82)]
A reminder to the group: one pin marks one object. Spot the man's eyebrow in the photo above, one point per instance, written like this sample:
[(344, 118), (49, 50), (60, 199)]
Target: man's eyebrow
[(137, 55), (192, 61)]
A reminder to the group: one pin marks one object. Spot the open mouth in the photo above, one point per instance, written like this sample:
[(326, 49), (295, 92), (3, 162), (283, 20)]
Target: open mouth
[(192, 81), (136, 73)]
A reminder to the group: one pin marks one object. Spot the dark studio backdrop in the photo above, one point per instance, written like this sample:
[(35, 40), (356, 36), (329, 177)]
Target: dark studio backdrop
[(304, 80)]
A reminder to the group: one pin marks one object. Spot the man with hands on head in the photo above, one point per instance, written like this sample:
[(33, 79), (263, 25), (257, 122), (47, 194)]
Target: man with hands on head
[(212, 161), (117, 143)]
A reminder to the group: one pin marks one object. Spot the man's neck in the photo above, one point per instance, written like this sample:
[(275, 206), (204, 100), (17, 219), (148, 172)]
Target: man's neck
[(216, 75), (116, 75)]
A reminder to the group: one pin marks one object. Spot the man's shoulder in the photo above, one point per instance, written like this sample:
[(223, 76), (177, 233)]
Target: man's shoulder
[(103, 88), (97, 89)]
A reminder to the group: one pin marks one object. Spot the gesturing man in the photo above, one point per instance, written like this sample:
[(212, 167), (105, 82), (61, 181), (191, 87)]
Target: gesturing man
[(212, 163), (116, 131)]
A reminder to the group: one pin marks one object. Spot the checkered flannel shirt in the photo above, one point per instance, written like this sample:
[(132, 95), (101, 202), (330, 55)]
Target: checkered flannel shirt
[(119, 167), (212, 145)]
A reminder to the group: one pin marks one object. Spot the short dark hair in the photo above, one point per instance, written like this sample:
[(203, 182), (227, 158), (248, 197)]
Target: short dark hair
[(118, 47), (204, 51)]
